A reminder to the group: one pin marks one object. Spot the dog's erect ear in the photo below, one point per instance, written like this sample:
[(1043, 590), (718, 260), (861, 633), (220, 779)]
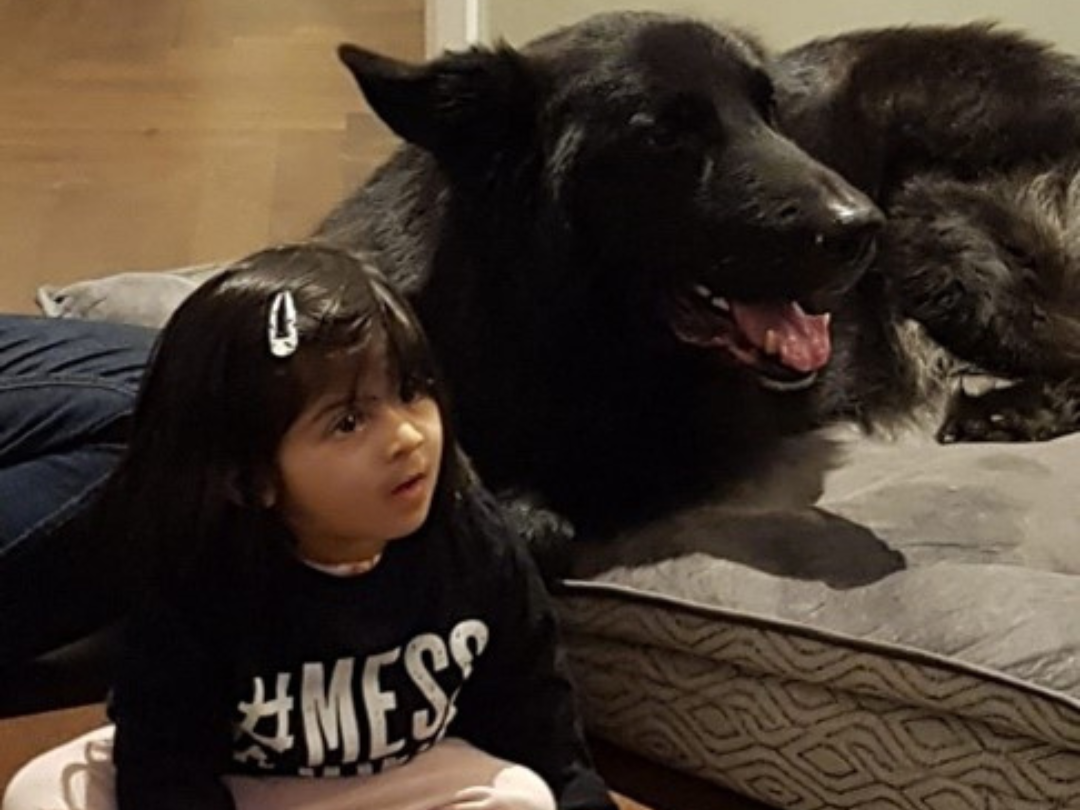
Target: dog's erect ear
[(468, 101)]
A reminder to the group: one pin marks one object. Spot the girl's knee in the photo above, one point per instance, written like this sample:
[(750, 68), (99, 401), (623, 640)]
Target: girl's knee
[(513, 787), (75, 776), (523, 789), (33, 787)]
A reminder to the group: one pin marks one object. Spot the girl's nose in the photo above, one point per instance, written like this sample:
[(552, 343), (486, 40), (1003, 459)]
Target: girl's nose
[(406, 435)]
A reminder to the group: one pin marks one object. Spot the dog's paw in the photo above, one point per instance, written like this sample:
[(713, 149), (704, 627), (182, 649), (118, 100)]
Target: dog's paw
[(995, 426), (834, 550), (807, 544), (1021, 413), (548, 535)]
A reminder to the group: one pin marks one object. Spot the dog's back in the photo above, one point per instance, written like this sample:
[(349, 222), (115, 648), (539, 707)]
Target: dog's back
[(884, 105)]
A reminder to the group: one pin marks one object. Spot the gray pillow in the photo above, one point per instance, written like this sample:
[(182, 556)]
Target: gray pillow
[(141, 298)]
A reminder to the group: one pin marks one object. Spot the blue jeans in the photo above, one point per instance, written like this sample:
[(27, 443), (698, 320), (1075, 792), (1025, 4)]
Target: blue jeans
[(67, 389)]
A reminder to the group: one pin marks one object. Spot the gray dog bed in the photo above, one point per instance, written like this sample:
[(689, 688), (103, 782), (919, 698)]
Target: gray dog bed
[(953, 684)]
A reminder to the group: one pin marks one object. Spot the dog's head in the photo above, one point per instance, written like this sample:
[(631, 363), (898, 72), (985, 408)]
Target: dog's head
[(647, 145)]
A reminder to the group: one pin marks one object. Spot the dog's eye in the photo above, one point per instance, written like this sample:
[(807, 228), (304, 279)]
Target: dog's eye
[(681, 119), (659, 133)]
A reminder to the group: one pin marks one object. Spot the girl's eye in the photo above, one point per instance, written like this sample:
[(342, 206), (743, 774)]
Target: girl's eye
[(349, 422)]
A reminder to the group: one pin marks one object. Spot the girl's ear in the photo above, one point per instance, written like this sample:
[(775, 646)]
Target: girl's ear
[(248, 494), (460, 104), (267, 495), (234, 489)]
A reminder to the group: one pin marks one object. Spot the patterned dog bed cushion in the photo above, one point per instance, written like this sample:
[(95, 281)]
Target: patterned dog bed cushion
[(952, 684)]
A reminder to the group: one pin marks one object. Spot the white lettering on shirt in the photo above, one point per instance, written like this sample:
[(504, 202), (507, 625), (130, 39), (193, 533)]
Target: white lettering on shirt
[(326, 713)]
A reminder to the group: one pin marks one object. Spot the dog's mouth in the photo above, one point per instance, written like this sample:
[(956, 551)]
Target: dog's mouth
[(778, 340)]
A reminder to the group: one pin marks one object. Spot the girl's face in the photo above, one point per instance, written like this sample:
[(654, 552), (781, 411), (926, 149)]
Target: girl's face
[(358, 468)]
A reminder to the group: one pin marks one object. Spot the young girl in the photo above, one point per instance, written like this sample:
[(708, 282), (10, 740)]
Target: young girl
[(335, 616)]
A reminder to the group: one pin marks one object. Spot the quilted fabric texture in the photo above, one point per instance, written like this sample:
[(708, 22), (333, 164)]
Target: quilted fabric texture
[(953, 684)]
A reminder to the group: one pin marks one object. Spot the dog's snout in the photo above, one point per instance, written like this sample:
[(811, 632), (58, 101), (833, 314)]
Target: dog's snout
[(852, 214), (851, 227), (829, 224)]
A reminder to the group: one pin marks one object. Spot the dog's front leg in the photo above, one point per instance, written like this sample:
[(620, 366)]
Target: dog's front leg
[(548, 535), (797, 543)]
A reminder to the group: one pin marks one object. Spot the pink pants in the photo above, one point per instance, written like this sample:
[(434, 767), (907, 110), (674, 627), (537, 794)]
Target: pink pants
[(451, 776)]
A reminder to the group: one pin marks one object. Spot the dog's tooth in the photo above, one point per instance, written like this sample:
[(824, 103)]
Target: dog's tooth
[(772, 342), (794, 385), (702, 291), (720, 303)]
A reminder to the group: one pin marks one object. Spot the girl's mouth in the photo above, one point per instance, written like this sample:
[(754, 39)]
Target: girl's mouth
[(410, 485)]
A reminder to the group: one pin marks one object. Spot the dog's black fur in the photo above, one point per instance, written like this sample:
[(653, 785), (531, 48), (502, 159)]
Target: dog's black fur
[(968, 138), (556, 209), (974, 278)]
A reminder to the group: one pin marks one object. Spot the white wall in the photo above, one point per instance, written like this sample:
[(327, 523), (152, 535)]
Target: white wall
[(782, 23), (453, 24)]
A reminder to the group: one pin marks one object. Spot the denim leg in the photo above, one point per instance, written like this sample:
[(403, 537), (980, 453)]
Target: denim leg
[(65, 388)]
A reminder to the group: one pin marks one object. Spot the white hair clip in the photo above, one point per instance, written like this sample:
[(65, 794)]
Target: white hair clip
[(281, 329)]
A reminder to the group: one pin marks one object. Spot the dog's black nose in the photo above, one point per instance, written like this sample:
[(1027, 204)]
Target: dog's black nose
[(850, 229)]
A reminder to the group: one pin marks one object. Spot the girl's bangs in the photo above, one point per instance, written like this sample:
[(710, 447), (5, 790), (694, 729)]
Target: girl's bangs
[(344, 349)]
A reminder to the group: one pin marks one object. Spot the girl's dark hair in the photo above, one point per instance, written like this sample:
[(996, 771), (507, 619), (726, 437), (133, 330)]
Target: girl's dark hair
[(216, 402)]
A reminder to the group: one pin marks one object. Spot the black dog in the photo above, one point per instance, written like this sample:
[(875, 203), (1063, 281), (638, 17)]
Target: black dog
[(625, 268)]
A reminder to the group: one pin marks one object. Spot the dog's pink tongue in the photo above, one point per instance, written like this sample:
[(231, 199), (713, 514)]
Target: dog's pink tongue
[(802, 340)]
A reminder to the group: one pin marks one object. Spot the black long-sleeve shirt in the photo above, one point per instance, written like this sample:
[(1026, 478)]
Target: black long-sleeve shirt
[(299, 672)]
